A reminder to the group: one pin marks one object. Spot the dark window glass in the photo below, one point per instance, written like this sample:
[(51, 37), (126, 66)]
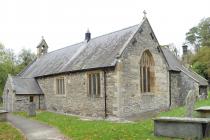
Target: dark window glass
[(148, 79), (31, 98)]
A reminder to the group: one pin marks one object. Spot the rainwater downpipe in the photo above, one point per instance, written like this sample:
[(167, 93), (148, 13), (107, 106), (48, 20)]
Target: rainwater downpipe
[(105, 96), (169, 89)]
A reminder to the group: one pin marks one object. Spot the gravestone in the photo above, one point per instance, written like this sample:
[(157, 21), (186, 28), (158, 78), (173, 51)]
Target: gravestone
[(202, 96), (3, 115), (203, 112), (32, 109), (182, 127), (190, 102)]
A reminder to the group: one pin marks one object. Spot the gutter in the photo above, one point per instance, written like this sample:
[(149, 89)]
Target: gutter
[(75, 71)]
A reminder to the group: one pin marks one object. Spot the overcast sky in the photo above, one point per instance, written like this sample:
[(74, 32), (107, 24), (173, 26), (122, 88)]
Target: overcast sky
[(64, 22)]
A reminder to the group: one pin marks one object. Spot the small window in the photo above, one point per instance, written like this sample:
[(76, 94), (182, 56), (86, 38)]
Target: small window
[(152, 36), (60, 88), (31, 98), (94, 89)]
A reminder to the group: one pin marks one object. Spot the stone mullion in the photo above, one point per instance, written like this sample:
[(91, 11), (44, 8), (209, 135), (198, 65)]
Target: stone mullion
[(146, 79), (96, 81), (92, 88)]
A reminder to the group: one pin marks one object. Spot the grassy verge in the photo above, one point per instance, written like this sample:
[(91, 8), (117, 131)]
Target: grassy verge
[(7, 132), (78, 129)]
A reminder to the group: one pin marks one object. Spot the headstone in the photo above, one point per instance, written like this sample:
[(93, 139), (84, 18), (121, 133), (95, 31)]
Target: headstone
[(32, 109), (3, 116), (202, 96), (190, 102)]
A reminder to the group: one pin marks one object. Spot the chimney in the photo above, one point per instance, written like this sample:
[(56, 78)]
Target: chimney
[(87, 35), (184, 47)]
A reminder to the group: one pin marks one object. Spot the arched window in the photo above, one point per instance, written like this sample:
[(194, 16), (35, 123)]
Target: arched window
[(147, 72)]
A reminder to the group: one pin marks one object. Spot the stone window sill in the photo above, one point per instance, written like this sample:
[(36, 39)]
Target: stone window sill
[(95, 97), (60, 95), (147, 94)]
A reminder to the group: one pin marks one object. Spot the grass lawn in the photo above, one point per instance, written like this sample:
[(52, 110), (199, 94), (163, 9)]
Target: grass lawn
[(8, 132), (78, 129)]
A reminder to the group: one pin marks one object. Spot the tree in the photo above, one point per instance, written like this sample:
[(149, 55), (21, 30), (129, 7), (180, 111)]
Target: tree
[(201, 62), (7, 65), (11, 64), (200, 35), (25, 58)]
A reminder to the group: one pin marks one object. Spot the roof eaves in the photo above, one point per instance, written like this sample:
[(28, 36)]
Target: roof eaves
[(31, 93), (74, 71), (198, 75)]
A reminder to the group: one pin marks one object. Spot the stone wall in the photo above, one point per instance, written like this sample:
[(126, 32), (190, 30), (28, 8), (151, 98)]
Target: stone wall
[(131, 100), (22, 102), (187, 84), (76, 99), (13, 102), (181, 84), (176, 99), (8, 96)]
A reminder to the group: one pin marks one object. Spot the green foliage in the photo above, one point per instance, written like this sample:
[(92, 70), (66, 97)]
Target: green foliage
[(7, 132), (201, 62), (11, 64), (200, 34), (7, 65), (25, 58), (78, 129)]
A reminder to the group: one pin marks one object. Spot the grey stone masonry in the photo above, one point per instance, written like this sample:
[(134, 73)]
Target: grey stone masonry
[(181, 84), (76, 99), (188, 128), (129, 98), (22, 102)]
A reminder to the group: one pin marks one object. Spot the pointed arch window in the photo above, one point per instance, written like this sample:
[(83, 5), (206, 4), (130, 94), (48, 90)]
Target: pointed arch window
[(147, 72)]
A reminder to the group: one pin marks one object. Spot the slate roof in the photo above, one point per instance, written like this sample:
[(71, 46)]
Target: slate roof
[(176, 65), (25, 85), (99, 52)]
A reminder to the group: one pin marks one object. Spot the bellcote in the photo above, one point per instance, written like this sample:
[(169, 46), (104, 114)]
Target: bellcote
[(42, 48)]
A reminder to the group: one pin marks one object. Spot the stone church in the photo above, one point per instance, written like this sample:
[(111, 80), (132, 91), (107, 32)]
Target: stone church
[(119, 74)]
